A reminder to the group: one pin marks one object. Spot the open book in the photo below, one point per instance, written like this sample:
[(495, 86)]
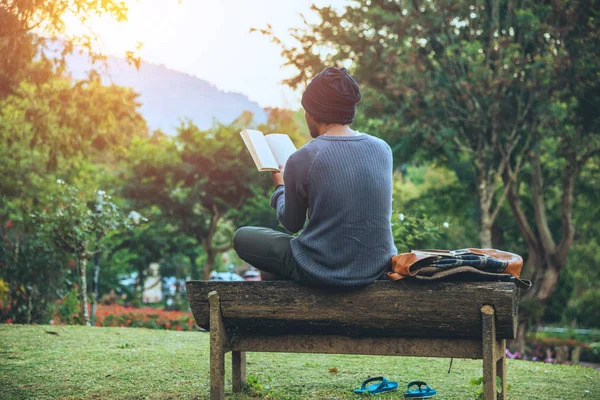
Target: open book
[(268, 151)]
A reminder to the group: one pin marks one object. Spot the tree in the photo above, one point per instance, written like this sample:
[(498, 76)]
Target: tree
[(440, 79), (32, 270), (132, 252), (55, 128), (75, 228), (29, 28), (51, 127), (205, 182), (566, 140), (565, 143), (511, 85), (195, 180)]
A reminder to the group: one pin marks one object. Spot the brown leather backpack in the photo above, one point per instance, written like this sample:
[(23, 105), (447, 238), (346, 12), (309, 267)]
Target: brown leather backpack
[(464, 264)]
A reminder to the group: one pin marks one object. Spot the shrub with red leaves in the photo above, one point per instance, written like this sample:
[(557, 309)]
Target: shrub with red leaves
[(152, 318)]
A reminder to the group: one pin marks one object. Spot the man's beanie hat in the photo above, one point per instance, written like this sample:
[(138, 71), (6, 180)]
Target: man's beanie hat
[(332, 96)]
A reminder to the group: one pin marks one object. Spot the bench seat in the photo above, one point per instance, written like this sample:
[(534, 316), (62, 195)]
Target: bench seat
[(409, 318)]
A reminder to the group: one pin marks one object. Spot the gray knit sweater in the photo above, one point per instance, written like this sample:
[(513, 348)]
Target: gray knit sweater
[(345, 185)]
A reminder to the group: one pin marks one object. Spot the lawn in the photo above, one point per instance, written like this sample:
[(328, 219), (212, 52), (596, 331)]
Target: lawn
[(133, 363)]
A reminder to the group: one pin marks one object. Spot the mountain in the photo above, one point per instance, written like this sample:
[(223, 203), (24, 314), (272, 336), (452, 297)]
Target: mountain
[(166, 95)]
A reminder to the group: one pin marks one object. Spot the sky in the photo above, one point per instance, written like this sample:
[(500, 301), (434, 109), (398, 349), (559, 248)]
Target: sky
[(210, 39)]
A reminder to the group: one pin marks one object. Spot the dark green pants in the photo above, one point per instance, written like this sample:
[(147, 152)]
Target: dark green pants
[(269, 251)]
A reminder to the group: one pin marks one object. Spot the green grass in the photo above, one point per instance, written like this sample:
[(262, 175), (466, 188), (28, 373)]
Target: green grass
[(129, 363)]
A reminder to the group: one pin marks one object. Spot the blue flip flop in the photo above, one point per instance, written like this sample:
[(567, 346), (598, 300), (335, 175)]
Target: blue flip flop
[(381, 387), (422, 391)]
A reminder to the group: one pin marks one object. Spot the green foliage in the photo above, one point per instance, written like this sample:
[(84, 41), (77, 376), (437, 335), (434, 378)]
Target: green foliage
[(585, 309), (74, 223), (477, 384), (75, 219), (444, 196), (451, 86), (29, 265), (413, 232), (569, 336), (51, 127), (68, 308), (507, 89), (254, 388), (450, 73), (595, 350), (204, 183), (4, 289), (20, 44), (58, 129)]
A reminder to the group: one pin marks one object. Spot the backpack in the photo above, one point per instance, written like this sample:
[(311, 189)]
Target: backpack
[(464, 264)]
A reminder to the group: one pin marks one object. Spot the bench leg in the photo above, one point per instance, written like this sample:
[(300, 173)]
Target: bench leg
[(238, 370), (501, 368), (218, 339), (489, 353)]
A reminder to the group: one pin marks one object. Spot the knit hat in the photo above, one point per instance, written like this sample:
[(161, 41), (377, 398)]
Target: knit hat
[(332, 96)]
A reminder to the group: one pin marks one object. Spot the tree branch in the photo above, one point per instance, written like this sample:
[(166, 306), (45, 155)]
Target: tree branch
[(539, 206), (514, 202), (240, 202), (566, 209), (223, 248), (461, 146), (214, 219), (499, 204)]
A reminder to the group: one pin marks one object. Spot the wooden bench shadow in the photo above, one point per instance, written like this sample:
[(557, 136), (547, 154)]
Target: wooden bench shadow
[(407, 318)]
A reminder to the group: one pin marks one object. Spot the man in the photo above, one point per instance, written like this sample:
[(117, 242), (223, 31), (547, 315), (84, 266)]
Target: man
[(343, 180)]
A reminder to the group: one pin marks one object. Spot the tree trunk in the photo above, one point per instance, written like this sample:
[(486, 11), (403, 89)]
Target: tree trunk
[(485, 218), (497, 237), (519, 343), (177, 301), (140, 284), (485, 194), (29, 306), (83, 299), (544, 277), (530, 269), (485, 230), (14, 282), (209, 265), (95, 280), (195, 271), (545, 260)]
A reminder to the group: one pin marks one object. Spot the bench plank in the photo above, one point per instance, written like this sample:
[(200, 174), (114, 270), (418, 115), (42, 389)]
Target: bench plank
[(381, 346), (382, 309)]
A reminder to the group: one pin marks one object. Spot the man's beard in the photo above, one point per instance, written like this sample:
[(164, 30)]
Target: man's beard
[(313, 129)]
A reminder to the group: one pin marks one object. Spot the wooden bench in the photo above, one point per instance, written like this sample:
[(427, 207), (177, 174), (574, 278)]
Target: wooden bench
[(406, 318)]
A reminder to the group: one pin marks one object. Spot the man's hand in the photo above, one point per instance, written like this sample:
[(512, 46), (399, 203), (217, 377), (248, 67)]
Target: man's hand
[(278, 176)]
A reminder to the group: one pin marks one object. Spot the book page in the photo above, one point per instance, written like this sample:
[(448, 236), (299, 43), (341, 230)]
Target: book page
[(259, 150), (282, 147)]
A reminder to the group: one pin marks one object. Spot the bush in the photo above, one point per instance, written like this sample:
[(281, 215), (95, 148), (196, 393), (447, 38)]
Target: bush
[(592, 354), (413, 232), (586, 309), (151, 318), (34, 275), (67, 309), (541, 347)]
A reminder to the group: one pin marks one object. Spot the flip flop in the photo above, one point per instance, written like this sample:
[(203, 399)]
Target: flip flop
[(382, 387), (422, 391)]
